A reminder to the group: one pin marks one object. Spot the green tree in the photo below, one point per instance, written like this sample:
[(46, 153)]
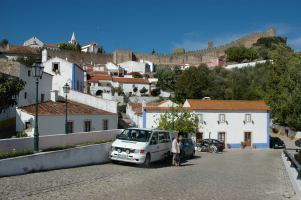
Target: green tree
[(284, 86), (156, 92), (99, 50), (236, 54), (185, 121), (4, 42), (192, 83), (166, 78), (251, 54), (9, 90), (143, 90), (66, 46), (177, 69), (137, 75), (135, 89), (78, 47)]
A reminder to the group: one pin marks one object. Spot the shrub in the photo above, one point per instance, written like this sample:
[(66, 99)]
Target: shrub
[(243, 144), (57, 148), (22, 134), (143, 90), (122, 108), (135, 89), (156, 92), (16, 153)]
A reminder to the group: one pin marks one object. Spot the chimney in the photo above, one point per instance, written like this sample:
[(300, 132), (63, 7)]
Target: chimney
[(143, 104), (54, 95), (91, 62), (44, 55)]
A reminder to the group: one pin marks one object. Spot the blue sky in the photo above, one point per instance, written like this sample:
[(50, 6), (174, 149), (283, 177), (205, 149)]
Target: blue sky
[(143, 25)]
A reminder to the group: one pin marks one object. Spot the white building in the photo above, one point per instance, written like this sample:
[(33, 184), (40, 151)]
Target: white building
[(133, 66), (230, 121), (73, 40), (33, 42), (134, 110), (63, 72), (51, 46), (52, 115), (13, 54), (26, 96), (91, 47), (128, 85)]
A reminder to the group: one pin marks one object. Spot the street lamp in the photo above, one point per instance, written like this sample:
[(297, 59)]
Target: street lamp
[(66, 89), (37, 71), (172, 94)]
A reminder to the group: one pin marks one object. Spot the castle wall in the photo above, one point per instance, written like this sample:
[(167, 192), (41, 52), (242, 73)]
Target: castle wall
[(81, 56)]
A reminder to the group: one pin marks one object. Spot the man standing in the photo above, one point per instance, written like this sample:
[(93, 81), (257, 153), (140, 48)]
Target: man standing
[(174, 150)]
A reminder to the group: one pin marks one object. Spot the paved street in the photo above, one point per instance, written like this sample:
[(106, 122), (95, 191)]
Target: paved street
[(232, 174)]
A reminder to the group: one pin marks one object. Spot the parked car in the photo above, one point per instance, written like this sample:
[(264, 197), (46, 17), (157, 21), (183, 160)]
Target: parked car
[(188, 148), (276, 142), (219, 144), (298, 142)]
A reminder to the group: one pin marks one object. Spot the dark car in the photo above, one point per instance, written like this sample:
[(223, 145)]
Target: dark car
[(219, 144), (298, 142), (188, 147), (276, 142)]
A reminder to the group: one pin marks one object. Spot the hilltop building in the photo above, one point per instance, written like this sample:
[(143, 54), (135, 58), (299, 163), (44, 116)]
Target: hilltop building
[(73, 40)]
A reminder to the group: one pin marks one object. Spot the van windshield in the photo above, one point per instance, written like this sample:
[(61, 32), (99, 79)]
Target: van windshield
[(135, 135)]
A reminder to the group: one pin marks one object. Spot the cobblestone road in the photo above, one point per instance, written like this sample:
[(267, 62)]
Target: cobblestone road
[(232, 174)]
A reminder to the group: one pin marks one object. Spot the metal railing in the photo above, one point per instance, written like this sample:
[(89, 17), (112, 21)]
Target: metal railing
[(293, 161)]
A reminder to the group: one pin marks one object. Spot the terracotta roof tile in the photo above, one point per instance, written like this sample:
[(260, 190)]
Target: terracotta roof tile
[(22, 49), (99, 72), (130, 80), (59, 108), (198, 104), (95, 78), (50, 45), (89, 70), (156, 103)]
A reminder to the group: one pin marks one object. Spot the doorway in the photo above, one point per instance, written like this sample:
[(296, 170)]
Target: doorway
[(199, 137), (221, 136), (248, 138), (286, 132)]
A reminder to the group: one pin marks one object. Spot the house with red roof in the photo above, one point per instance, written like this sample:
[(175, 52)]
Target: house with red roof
[(230, 121), (81, 116)]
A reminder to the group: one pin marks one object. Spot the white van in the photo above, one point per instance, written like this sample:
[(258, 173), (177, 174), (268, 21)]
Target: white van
[(141, 146)]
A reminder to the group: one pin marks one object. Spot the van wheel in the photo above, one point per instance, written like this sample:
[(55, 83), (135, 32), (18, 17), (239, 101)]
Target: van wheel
[(146, 161)]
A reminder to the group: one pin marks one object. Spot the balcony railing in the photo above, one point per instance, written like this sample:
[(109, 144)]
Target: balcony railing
[(293, 161)]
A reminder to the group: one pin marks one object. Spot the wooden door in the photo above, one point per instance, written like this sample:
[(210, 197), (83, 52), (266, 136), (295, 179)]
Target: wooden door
[(199, 137), (248, 138), (221, 137)]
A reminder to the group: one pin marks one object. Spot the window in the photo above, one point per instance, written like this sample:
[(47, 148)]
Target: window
[(155, 138), (105, 125), (55, 66), (222, 118), (248, 117), (28, 72), (81, 88), (130, 94), (77, 85), (69, 127), (27, 125), (108, 84), (134, 85), (121, 85), (87, 126), (200, 118), (42, 98), (25, 95), (99, 84)]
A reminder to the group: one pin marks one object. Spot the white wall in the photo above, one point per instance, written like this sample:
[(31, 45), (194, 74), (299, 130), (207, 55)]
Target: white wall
[(44, 87), (56, 160), (296, 134), (132, 66), (96, 102), (31, 41), (7, 145), (250, 64), (134, 117)]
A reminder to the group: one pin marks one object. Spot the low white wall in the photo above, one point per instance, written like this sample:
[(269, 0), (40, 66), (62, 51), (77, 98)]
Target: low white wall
[(96, 102), (296, 134), (292, 172), (8, 145), (140, 99), (87, 155)]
